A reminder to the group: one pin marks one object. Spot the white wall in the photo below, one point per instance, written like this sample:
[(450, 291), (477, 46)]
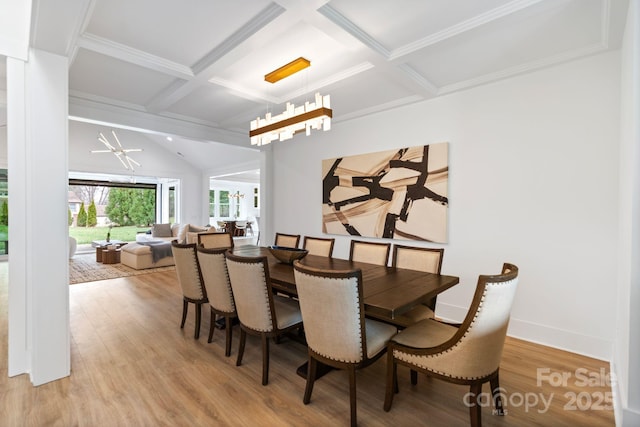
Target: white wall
[(155, 161), (533, 181), (627, 336)]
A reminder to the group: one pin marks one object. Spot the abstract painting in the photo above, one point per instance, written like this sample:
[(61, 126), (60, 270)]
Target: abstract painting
[(394, 194)]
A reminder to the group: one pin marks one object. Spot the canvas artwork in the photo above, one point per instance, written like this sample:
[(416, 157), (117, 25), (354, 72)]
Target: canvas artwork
[(394, 194)]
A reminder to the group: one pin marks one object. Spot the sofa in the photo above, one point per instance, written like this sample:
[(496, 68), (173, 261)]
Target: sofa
[(140, 254)]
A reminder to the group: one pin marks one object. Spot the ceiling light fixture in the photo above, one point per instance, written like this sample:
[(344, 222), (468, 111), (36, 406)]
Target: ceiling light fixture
[(287, 70), (311, 115), (120, 152)]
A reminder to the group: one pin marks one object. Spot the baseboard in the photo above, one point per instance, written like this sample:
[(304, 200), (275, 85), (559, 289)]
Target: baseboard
[(625, 417), (541, 334)]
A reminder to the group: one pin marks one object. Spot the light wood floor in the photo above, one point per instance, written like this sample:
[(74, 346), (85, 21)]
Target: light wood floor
[(133, 366)]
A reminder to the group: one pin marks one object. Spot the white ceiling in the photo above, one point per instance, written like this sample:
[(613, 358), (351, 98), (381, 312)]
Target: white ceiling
[(196, 68)]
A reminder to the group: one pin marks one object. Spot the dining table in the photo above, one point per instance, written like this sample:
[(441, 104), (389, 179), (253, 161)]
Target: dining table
[(389, 292)]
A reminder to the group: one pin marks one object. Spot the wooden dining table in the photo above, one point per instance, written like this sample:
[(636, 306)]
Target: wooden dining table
[(389, 292)]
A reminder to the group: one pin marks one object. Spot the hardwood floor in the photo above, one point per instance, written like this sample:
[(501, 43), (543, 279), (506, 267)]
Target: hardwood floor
[(132, 365)]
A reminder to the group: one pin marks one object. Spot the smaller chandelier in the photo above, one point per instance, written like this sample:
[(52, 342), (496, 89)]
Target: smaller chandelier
[(312, 115), (236, 195)]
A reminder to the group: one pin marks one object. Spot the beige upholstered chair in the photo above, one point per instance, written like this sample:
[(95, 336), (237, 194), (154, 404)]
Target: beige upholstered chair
[(469, 354), (370, 252), (319, 246), (355, 342), (213, 267), (421, 259), (287, 240), (240, 228), (260, 311), (215, 240), (190, 279)]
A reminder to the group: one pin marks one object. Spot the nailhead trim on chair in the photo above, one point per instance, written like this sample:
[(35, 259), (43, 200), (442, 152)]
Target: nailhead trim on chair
[(397, 353)]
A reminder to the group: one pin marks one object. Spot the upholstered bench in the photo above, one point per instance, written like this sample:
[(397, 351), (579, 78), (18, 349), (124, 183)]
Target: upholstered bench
[(139, 256)]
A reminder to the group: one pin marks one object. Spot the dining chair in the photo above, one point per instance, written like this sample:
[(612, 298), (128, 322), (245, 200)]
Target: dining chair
[(427, 260), (469, 354), (215, 240), (221, 226), (369, 252), (213, 267), (240, 228), (355, 342), (319, 246), (287, 240), (190, 280), (260, 312)]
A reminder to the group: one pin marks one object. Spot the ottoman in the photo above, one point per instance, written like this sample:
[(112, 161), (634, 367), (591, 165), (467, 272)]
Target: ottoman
[(139, 256)]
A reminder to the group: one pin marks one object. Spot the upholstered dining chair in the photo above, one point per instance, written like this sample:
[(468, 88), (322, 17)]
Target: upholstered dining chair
[(469, 354), (213, 267), (240, 228), (369, 252), (428, 260), (355, 341), (319, 246), (287, 240), (215, 240), (260, 312), (190, 279)]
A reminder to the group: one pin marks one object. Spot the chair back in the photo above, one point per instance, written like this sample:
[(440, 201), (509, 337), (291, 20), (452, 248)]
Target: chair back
[(188, 271), (249, 277), (319, 246), (213, 267), (370, 252), (476, 348), (215, 240), (428, 260), (287, 240), (333, 297)]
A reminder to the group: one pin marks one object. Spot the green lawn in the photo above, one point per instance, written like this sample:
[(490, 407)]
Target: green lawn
[(4, 237), (88, 234)]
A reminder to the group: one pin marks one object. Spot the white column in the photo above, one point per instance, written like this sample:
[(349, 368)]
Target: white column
[(37, 130), (267, 234)]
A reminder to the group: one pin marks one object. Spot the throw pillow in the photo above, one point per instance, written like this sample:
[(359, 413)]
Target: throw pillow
[(182, 233), (161, 230)]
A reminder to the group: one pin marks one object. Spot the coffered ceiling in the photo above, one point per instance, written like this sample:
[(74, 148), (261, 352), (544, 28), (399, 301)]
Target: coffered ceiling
[(195, 68)]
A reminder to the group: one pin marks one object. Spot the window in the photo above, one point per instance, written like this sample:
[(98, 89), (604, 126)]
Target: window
[(219, 205), (123, 204), (172, 204)]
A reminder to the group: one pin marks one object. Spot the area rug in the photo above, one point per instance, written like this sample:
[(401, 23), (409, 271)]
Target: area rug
[(84, 268)]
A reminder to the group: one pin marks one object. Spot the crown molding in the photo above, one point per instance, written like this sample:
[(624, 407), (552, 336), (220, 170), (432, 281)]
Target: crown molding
[(134, 56), (462, 27)]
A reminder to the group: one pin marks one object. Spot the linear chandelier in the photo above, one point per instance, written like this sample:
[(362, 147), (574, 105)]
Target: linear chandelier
[(312, 115)]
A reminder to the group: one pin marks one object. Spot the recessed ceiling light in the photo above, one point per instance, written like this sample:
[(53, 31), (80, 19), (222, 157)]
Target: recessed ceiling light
[(169, 139)]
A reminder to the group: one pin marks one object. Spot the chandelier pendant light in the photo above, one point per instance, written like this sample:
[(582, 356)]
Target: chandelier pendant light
[(311, 115), (120, 152)]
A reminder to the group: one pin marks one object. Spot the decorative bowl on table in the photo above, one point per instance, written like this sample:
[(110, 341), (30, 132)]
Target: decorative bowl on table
[(287, 255)]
